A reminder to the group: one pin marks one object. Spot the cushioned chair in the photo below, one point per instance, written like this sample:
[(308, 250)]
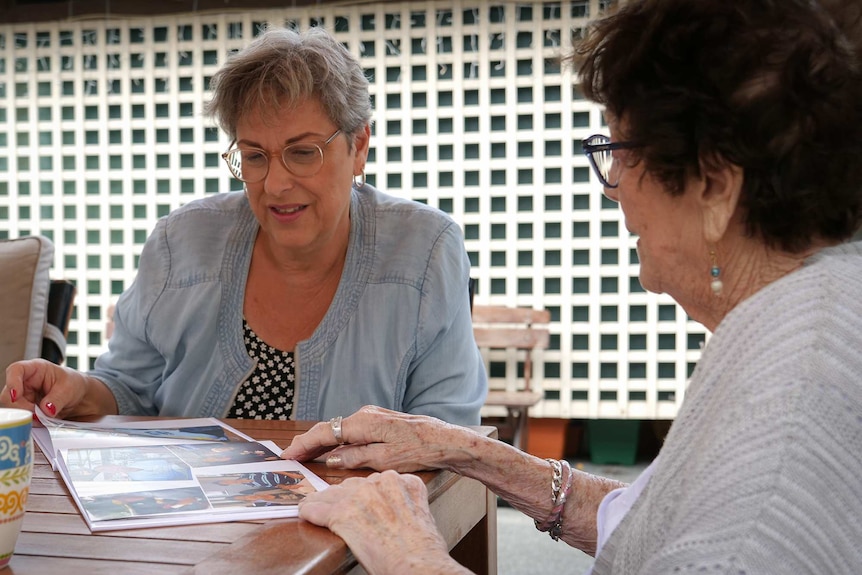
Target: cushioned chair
[(34, 311), (61, 301)]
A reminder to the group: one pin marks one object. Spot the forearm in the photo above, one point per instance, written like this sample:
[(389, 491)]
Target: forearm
[(525, 482), (383, 439)]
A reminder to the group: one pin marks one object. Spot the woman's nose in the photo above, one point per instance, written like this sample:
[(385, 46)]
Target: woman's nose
[(612, 193), (278, 176)]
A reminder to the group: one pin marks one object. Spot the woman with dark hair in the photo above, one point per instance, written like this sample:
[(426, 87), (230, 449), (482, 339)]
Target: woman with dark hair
[(734, 153)]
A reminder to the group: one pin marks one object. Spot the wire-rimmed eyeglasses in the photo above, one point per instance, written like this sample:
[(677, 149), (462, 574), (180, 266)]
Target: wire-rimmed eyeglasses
[(251, 165), (600, 152)]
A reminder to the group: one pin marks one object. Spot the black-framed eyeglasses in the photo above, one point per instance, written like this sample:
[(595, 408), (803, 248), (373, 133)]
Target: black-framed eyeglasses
[(600, 152), (251, 165)]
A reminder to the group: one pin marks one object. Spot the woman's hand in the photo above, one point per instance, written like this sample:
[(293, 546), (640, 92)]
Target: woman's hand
[(386, 522), (58, 391), (380, 439)]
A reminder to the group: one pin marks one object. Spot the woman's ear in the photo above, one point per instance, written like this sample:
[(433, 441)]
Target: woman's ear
[(361, 140), (719, 190)]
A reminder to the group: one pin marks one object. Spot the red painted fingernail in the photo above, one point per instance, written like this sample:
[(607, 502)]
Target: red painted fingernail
[(52, 409), (13, 395)]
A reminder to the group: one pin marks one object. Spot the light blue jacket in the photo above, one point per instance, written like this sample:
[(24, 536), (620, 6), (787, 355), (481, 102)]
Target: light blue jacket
[(398, 333)]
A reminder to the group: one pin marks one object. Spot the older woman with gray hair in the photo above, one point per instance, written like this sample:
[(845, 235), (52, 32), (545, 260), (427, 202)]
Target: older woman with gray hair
[(734, 153), (305, 296)]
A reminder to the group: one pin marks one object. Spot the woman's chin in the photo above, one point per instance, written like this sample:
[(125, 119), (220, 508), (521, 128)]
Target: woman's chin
[(649, 283), (644, 284)]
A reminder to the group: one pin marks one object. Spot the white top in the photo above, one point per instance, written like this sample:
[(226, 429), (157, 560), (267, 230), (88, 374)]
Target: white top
[(616, 504)]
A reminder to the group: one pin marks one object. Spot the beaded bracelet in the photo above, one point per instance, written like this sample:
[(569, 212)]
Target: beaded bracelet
[(554, 523)]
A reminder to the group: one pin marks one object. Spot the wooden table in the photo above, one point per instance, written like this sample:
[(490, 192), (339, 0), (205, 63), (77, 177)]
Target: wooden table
[(54, 538)]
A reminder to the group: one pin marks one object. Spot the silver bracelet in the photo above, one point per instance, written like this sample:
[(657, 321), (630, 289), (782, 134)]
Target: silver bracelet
[(556, 530), (553, 524), (557, 479)]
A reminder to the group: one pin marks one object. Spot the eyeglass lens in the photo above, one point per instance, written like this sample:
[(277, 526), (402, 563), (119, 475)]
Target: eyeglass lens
[(252, 165), (602, 159)]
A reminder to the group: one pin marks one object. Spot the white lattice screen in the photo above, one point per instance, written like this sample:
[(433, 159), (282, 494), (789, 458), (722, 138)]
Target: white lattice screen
[(101, 133)]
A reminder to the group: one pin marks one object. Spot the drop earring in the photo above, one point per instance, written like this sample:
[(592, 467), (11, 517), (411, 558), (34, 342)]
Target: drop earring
[(714, 273), (359, 180)]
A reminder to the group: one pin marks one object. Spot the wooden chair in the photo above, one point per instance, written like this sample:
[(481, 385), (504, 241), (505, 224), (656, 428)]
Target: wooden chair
[(523, 330)]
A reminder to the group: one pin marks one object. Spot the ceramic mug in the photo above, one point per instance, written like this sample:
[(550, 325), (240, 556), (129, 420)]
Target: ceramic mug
[(16, 467)]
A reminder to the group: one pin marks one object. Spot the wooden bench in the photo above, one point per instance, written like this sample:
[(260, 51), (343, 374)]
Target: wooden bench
[(522, 330)]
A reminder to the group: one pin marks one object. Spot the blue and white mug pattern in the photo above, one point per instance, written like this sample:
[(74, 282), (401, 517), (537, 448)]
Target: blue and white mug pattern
[(15, 450)]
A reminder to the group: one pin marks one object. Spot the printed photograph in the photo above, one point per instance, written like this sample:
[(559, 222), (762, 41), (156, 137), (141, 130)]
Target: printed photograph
[(201, 433), (127, 464), (257, 489), (231, 453), (144, 503)]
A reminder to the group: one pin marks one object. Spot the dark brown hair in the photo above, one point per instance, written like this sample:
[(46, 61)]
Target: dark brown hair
[(773, 86)]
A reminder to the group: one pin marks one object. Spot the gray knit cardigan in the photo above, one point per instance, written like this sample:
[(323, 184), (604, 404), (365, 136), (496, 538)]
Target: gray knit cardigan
[(761, 471)]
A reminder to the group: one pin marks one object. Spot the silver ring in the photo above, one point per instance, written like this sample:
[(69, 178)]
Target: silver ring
[(335, 424)]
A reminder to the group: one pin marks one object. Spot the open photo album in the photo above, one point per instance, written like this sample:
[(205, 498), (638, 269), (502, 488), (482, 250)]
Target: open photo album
[(171, 472)]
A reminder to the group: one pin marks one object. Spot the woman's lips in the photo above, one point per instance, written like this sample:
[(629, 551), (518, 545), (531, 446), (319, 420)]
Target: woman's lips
[(287, 213), (285, 210)]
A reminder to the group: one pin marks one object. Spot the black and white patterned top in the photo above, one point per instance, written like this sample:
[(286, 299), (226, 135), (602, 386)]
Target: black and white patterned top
[(268, 391)]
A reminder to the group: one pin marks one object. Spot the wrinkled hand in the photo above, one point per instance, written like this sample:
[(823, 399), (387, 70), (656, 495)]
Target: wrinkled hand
[(379, 439), (56, 389), (386, 522)]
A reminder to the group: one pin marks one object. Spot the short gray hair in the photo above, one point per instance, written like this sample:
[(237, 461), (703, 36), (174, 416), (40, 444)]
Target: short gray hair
[(282, 67)]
